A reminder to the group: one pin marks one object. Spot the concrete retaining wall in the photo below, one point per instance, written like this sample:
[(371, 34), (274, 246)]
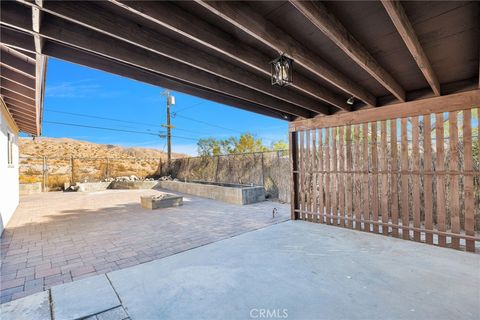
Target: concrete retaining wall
[(236, 195), (100, 186), (132, 184), (29, 188)]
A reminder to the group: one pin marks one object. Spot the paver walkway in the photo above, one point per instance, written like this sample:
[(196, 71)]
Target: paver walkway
[(291, 270), (54, 238)]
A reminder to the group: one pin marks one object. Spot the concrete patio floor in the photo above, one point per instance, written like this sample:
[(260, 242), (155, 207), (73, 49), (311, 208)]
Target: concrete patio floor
[(55, 238), (294, 270)]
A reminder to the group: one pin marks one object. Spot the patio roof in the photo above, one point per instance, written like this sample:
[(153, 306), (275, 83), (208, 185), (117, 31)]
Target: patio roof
[(22, 85), (379, 53)]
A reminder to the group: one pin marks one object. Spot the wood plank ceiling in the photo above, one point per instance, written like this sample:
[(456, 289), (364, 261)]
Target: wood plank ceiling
[(379, 53)]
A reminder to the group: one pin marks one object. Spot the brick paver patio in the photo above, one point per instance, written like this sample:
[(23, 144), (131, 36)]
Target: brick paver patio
[(55, 238)]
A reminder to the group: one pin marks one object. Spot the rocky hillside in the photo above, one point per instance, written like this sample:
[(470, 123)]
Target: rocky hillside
[(89, 161), (64, 147)]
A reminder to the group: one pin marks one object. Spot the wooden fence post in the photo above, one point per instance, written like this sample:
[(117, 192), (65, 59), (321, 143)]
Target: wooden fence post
[(72, 178), (293, 147), (44, 175)]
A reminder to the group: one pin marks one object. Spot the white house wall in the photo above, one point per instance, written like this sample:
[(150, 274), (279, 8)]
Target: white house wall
[(9, 184)]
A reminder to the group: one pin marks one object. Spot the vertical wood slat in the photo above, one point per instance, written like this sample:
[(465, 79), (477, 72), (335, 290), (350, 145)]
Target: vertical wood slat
[(468, 179), (293, 153), (302, 176), (341, 176), (454, 188), (328, 187), (404, 179), (384, 177), (440, 178), (314, 176), (334, 177), (415, 178), (349, 175), (427, 155), (365, 175), (320, 176), (308, 174), (357, 180), (394, 176), (374, 176)]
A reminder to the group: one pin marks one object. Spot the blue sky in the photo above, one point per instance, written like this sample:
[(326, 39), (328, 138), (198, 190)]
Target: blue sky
[(76, 89)]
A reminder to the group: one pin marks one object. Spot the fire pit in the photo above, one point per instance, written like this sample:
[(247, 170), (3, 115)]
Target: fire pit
[(161, 200)]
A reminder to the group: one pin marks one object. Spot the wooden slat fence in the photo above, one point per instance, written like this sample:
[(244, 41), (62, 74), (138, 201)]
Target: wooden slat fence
[(414, 178)]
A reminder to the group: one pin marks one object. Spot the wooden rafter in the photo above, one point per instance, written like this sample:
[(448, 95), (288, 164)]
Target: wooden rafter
[(122, 29), (17, 88), (17, 40), (101, 63), (186, 25), (319, 16), (406, 31), (13, 95), (243, 17), (17, 77), (72, 34)]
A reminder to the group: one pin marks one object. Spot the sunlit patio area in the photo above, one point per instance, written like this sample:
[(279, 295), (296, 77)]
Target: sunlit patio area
[(60, 237)]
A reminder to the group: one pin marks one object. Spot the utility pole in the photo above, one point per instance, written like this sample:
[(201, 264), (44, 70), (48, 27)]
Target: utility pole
[(170, 102)]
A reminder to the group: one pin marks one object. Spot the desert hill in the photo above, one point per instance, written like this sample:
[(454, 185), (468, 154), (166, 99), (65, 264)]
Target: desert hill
[(65, 147)]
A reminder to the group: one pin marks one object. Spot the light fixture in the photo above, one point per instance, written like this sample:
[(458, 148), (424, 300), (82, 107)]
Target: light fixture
[(350, 101), (282, 71)]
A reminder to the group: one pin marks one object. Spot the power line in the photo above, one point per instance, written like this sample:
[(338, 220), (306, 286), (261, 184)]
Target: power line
[(118, 130), (155, 125), (102, 118)]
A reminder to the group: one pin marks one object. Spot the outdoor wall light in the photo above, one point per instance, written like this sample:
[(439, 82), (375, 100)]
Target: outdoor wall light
[(351, 101), (282, 71)]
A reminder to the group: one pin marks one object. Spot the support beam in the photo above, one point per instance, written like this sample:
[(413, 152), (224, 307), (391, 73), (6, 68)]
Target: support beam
[(186, 25), (13, 95), (405, 29), (18, 40), (246, 19), (20, 105), (92, 16), (319, 16), (17, 88), (77, 36), (40, 65), (15, 62), (82, 38), (453, 102), (97, 62), (17, 77)]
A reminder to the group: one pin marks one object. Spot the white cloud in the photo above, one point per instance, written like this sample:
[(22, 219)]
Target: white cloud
[(78, 89)]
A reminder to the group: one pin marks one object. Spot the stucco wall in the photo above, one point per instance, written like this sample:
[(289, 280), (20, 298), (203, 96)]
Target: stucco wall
[(9, 190)]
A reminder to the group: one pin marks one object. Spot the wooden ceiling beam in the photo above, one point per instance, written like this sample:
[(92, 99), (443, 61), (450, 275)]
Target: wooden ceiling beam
[(16, 63), (448, 103), (327, 23), (70, 54), (19, 40), (80, 37), (405, 29), (25, 118), (71, 34), (17, 77), (246, 19), (13, 95), (20, 106), (40, 65), (186, 25), (91, 16), (15, 87)]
